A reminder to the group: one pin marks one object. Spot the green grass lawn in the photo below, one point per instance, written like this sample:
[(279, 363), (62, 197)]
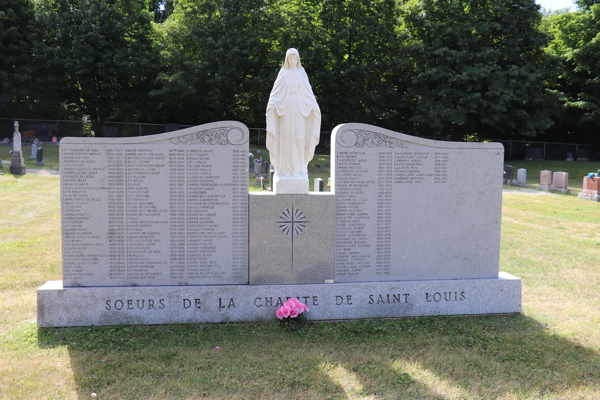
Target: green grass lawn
[(551, 351)]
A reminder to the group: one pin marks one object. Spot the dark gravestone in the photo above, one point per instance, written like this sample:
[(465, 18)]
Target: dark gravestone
[(40, 157), (257, 165), (532, 153), (266, 168), (582, 155), (508, 173)]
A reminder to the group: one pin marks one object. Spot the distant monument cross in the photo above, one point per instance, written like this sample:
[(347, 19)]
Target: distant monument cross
[(292, 222)]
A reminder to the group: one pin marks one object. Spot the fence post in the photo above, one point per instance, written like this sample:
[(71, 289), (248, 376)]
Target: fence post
[(544, 156)]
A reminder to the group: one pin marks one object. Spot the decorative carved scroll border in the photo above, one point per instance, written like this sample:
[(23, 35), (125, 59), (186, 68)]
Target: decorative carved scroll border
[(361, 138), (220, 136)]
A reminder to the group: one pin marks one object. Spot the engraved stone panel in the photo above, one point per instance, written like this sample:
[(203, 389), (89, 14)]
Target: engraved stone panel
[(167, 209), (291, 238), (411, 208)]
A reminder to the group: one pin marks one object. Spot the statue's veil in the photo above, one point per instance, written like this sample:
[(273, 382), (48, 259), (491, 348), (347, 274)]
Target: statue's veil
[(286, 64)]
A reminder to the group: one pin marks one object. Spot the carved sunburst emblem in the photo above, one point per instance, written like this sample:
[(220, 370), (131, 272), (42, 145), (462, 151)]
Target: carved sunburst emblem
[(292, 221)]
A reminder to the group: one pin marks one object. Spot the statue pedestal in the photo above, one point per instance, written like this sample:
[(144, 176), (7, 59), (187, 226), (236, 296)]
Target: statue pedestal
[(17, 163), (291, 238), (290, 185)]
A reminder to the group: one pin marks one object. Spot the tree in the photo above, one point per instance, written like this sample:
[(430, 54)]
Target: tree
[(577, 44), (481, 67), (107, 53), (17, 37), (217, 61), (364, 56)]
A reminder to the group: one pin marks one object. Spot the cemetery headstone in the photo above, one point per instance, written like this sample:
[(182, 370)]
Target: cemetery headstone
[(266, 168), (318, 186), (33, 152), (508, 174), (522, 177), (533, 153), (257, 165), (582, 155), (6, 141), (40, 157), (569, 156), (271, 175), (560, 180), (591, 187), (546, 178), (36, 140), (250, 162), (17, 162)]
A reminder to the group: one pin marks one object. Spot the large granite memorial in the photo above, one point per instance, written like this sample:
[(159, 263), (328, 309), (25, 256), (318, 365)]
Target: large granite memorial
[(414, 209), (160, 229), (168, 209)]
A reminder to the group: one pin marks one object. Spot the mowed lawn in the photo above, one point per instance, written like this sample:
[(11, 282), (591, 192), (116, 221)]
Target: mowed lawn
[(551, 351)]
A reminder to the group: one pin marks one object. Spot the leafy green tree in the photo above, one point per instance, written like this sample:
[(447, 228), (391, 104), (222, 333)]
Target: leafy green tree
[(577, 43), (17, 37), (217, 61), (481, 67), (105, 49), (365, 59)]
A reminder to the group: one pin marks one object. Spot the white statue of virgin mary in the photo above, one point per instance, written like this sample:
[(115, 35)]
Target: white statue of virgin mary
[(293, 126)]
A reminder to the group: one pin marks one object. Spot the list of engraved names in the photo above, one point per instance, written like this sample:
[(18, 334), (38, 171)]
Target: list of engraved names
[(369, 185), (169, 214)]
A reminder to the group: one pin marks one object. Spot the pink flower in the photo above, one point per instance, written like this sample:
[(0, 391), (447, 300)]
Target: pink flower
[(294, 313), (279, 313), (217, 348), (286, 310)]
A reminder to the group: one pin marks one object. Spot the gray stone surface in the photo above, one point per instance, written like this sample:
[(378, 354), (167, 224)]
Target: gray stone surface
[(167, 209), (17, 163), (589, 196), (39, 158), (318, 185), (546, 177), (553, 189), (291, 238), (414, 209), (58, 306), (522, 177)]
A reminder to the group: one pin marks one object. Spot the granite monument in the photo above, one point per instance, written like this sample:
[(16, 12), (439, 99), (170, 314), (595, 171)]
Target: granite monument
[(161, 229)]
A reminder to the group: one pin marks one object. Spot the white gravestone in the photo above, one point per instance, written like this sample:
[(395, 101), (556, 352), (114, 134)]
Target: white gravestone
[(17, 162), (318, 185), (293, 126), (16, 137), (414, 209), (522, 177), (167, 209), (33, 155)]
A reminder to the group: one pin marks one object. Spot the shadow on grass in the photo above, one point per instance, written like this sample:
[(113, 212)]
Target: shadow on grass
[(430, 357)]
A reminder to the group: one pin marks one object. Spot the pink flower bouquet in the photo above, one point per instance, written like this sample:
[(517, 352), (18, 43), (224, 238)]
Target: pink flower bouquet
[(291, 313)]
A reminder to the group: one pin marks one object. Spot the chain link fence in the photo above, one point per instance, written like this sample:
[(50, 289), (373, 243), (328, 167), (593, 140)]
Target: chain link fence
[(45, 130), (531, 150)]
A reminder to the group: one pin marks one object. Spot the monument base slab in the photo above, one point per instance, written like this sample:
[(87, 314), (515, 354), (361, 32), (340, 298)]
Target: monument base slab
[(58, 306), (549, 188), (17, 163), (588, 196)]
